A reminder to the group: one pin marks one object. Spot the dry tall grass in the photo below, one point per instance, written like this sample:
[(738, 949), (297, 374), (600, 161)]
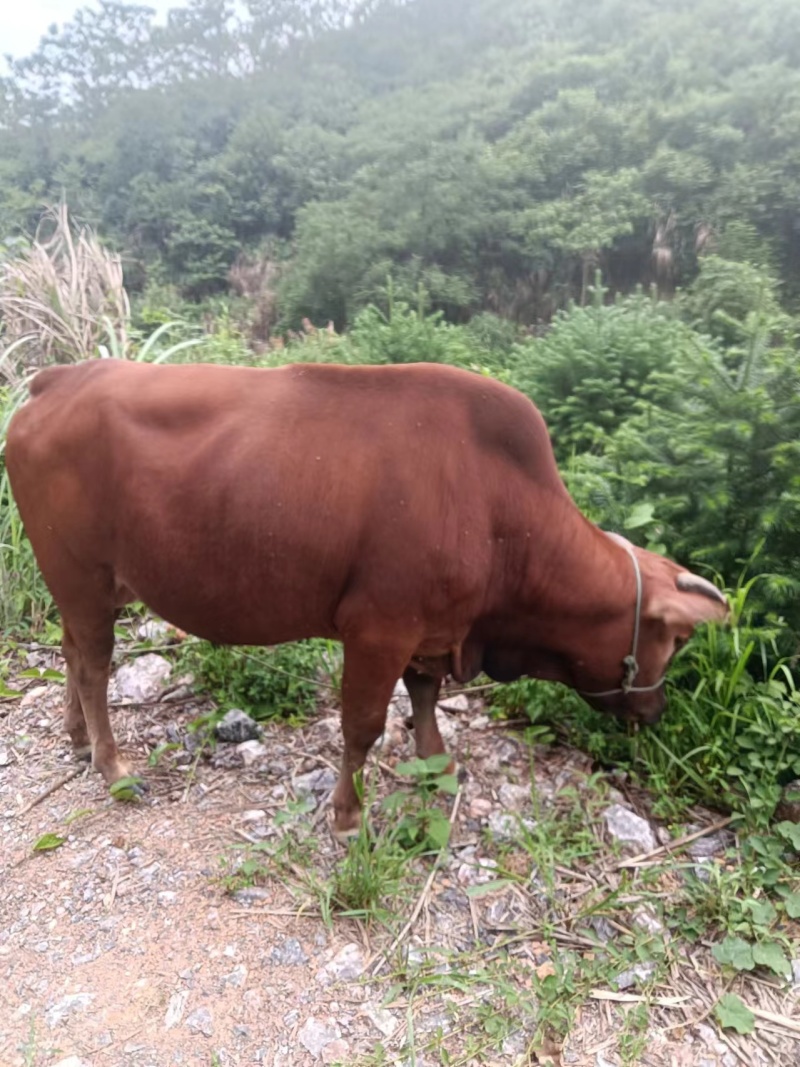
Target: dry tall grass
[(61, 298)]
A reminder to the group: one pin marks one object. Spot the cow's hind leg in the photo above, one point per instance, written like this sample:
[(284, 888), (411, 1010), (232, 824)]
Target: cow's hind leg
[(88, 645), (370, 674), (74, 719), (424, 692)]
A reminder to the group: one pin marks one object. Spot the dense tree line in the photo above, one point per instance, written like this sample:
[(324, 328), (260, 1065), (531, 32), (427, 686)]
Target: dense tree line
[(494, 152)]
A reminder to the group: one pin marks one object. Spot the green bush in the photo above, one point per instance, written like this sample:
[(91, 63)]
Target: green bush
[(282, 682), (592, 370)]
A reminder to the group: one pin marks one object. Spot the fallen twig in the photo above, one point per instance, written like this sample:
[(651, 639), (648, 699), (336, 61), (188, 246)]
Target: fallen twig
[(50, 790), (673, 846), (778, 1020), (635, 998)]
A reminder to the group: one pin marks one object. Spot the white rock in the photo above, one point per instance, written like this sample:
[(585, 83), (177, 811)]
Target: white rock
[(201, 1022), (457, 703), (401, 702), (796, 971), (381, 1019), (448, 727), (5, 757), (236, 727), (254, 815), (251, 751), (629, 828), (479, 873), (514, 797), (347, 964), (321, 780), (68, 1005), (646, 919), (710, 845), (71, 1061), (33, 695), (316, 1034), (175, 1008), (639, 973), (154, 630), (508, 827), (143, 678)]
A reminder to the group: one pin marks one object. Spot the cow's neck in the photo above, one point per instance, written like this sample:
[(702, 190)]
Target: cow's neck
[(574, 573)]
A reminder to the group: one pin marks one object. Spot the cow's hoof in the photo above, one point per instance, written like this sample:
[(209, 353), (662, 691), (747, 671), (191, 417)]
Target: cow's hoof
[(82, 753), (345, 831)]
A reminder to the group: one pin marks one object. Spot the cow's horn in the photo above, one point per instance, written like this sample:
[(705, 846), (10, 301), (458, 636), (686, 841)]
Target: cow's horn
[(693, 583)]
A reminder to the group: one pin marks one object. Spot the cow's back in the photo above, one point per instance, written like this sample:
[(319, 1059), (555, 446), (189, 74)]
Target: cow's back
[(245, 504)]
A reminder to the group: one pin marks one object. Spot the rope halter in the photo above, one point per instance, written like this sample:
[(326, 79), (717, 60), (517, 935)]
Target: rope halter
[(630, 662)]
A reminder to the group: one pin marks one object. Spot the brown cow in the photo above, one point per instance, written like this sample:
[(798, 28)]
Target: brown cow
[(413, 512)]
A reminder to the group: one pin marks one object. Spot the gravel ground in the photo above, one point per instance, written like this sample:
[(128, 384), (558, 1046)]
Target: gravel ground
[(125, 948)]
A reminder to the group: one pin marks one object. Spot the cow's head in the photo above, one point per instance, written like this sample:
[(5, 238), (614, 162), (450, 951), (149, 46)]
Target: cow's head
[(623, 672)]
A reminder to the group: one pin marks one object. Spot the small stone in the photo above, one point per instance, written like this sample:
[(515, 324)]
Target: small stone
[(646, 919), (175, 1008), (457, 703), (601, 1061), (478, 873), (32, 696), (167, 897), (71, 1061), (710, 845), (507, 827), (236, 727), (796, 971), (603, 928), (629, 828), (381, 1019), (5, 758), (480, 722), (69, 1005), (250, 751), (448, 728), (252, 893), (321, 780), (142, 679), (236, 977), (288, 954), (347, 964), (316, 1034), (254, 815), (400, 704), (638, 974), (480, 808), (155, 630), (514, 797), (200, 1022)]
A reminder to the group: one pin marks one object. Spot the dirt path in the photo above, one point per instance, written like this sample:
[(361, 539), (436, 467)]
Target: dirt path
[(125, 947)]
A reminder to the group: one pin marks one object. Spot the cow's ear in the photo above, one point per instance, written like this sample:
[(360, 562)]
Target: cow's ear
[(689, 602)]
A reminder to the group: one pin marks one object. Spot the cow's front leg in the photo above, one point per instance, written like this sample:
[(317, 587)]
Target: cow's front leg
[(370, 675)]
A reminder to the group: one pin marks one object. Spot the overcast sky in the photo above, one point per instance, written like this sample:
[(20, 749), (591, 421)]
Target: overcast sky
[(23, 22)]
